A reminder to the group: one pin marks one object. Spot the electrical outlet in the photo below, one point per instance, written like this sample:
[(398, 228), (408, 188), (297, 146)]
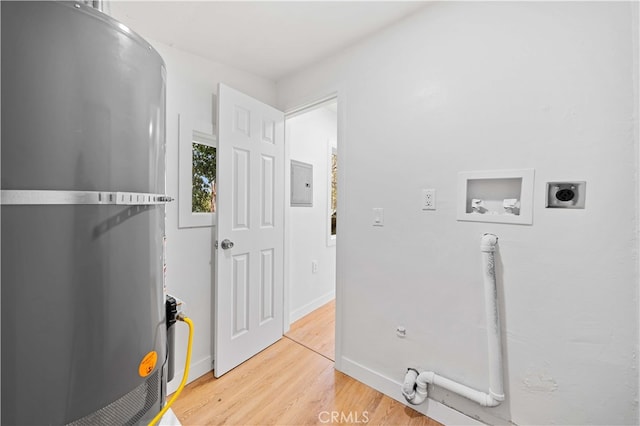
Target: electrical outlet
[(428, 199), (314, 266)]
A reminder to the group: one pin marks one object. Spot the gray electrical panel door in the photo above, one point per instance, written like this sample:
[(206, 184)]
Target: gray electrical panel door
[(301, 184)]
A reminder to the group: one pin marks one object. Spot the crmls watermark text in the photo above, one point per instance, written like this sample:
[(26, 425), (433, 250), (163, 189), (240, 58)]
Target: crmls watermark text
[(355, 417)]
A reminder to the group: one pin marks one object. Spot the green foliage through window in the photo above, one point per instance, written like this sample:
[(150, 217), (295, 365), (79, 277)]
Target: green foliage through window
[(203, 187), (334, 192)]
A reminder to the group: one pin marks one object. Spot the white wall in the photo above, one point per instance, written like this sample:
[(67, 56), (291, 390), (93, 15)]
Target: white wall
[(191, 85), (309, 137), (480, 86)]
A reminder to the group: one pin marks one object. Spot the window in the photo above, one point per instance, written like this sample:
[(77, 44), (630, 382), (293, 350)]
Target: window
[(196, 174), (203, 178), (334, 190)]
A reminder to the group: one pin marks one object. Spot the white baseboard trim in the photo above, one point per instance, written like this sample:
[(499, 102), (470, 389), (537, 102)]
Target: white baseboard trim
[(196, 370), (433, 409), (311, 306)]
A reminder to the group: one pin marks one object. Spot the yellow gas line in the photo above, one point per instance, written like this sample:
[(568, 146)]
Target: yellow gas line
[(184, 376)]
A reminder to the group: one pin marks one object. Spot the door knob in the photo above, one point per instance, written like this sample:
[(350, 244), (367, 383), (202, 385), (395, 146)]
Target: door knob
[(226, 244)]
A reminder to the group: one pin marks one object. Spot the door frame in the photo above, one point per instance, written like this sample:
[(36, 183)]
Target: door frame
[(303, 107)]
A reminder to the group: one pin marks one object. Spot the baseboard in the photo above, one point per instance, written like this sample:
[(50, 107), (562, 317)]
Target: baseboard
[(197, 369), (311, 306), (433, 409)]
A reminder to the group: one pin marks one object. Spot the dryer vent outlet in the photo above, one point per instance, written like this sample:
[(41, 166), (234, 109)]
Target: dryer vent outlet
[(566, 195)]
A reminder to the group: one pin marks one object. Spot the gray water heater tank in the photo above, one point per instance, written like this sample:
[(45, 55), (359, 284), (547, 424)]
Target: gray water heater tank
[(83, 321)]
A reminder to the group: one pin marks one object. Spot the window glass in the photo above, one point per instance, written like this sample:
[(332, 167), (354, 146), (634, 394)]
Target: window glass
[(203, 192), (334, 190)]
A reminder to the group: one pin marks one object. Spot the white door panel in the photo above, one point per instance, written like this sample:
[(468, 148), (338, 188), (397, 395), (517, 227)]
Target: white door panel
[(250, 185)]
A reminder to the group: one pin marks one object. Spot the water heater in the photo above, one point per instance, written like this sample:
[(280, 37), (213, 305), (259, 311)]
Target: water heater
[(84, 337)]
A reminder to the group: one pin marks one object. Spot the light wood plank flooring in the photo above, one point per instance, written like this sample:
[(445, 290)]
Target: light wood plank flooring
[(316, 331), (290, 384)]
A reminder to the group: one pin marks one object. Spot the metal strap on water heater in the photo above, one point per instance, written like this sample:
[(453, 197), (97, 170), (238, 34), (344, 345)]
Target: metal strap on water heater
[(23, 197)]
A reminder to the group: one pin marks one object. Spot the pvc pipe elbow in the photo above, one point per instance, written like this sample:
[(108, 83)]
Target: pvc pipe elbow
[(409, 384), (420, 392), (420, 397), (488, 243), (491, 401), (425, 377), (499, 397), (414, 387)]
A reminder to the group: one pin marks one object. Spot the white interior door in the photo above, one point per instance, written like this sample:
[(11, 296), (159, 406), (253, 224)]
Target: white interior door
[(250, 216)]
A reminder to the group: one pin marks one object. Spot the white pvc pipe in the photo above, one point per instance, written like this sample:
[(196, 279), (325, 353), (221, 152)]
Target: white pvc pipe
[(414, 387), (429, 377), (409, 385), (494, 342)]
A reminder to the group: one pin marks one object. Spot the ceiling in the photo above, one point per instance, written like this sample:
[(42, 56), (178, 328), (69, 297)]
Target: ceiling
[(265, 38)]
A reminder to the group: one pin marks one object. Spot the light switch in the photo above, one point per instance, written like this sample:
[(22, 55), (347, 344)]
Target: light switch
[(378, 217)]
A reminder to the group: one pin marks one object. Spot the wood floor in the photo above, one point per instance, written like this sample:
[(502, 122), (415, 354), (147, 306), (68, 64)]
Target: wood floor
[(316, 331), (291, 384)]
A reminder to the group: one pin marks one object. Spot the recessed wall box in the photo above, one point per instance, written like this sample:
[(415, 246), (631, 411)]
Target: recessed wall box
[(502, 196), (566, 195), (301, 184)]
